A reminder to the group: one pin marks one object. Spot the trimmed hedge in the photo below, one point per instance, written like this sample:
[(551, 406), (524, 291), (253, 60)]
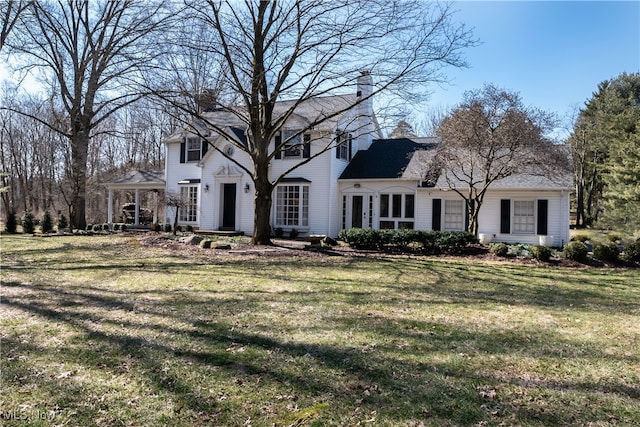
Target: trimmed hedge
[(432, 242)]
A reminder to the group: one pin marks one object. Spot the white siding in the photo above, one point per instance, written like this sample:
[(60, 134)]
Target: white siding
[(176, 172), (489, 216), (319, 171), (557, 216)]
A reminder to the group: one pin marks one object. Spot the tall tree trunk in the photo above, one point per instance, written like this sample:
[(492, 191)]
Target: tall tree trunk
[(79, 151), (579, 203), (262, 205)]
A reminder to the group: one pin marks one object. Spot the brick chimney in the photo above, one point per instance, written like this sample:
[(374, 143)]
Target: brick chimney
[(206, 101)]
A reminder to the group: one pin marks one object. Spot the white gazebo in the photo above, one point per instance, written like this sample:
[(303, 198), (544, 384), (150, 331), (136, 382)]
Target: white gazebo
[(137, 180)]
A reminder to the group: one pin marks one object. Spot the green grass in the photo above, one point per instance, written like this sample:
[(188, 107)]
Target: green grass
[(103, 331)]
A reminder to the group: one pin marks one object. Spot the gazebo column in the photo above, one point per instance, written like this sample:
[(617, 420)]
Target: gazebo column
[(136, 221), (110, 209), (155, 206)]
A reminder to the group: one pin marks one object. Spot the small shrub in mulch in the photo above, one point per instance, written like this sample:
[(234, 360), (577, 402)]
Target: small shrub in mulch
[(576, 251), (499, 249), (632, 251), (541, 253), (606, 251)]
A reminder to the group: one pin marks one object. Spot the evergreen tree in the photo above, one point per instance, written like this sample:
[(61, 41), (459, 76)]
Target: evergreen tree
[(606, 154), (62, 222), (47, 222), (28, 224), (12, 223)]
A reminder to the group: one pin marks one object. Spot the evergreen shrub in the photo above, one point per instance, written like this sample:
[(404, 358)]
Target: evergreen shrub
[(576, 251), (632, 251), (541, 253), (606, 251), (499, 249)]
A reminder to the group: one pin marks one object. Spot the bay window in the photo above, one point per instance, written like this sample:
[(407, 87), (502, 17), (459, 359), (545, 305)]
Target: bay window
[(292, 205)]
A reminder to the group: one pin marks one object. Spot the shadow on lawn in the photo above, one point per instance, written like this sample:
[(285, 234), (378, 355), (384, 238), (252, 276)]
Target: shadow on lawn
[(394, 381)]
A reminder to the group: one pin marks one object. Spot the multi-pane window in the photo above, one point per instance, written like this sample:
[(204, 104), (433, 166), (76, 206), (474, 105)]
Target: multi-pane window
[(193, 149), (453, 215), (396, 211), (344, 146), (523, 216), (189, 209), (293, 146), (292, 205)]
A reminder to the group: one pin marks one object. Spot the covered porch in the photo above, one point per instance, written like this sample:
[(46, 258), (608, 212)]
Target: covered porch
[(138, 181)]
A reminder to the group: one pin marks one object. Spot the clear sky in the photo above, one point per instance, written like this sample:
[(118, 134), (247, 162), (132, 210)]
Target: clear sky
[(554, 53)]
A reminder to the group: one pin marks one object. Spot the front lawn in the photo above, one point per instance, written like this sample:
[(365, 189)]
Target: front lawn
[(107, 331)]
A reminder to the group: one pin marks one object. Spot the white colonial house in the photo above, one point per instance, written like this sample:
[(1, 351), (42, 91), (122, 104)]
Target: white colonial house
[(362, 181)]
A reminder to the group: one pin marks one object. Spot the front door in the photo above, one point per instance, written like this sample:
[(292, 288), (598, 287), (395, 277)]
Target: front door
[(228, 207), (356, 211), (361, 210)]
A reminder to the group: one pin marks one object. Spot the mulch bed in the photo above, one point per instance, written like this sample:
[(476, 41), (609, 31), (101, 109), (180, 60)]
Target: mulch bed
[(301, 249)]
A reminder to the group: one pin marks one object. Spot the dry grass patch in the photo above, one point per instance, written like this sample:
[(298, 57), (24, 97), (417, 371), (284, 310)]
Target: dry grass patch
[(109, 331)]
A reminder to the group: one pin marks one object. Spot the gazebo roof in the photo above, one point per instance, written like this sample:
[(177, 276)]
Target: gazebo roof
[(138, 179)]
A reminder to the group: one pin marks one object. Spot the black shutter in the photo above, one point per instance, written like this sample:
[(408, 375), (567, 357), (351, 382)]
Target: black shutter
[(350, 147), (543, 206), (204, 148), (306, 147), (505, 216), (278, 142), (436, 214), (337, 145), (183, 150)]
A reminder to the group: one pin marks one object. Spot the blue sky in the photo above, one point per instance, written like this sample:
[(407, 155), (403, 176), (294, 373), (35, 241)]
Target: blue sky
[(553, 53)]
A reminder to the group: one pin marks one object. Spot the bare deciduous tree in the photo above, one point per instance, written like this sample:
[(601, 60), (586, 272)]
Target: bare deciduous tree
[(90, 54), (268, 51), (10, 11), (491, 136)]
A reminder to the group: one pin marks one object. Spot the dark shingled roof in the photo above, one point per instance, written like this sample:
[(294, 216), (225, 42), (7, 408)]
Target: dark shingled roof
[(386, 158), (239, 133)]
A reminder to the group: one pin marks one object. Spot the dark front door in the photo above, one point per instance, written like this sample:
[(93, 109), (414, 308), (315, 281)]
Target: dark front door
[(228, 207), (356, 212)]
